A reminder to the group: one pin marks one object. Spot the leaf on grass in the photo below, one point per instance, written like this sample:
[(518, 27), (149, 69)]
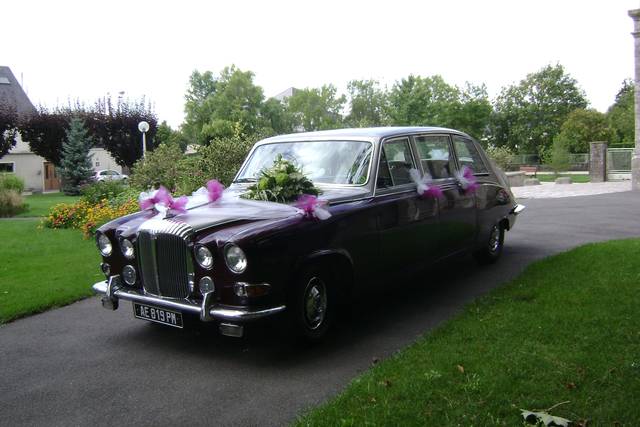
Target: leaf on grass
[(385, 383), (460, 368), (571, 386), (544, 418)]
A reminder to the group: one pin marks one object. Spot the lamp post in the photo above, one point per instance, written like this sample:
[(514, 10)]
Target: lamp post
[(143, 127)]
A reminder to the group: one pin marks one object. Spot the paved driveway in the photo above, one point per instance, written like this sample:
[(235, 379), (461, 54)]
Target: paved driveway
[(82, 365)]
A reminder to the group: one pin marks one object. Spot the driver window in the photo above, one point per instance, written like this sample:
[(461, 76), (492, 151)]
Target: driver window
[(395, 162)]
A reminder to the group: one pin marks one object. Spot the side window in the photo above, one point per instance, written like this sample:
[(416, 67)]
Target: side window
[(395, 162), (468, 154), (435, 155)]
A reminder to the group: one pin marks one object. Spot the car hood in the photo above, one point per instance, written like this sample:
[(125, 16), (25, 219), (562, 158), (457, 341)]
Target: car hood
[(231, 209)]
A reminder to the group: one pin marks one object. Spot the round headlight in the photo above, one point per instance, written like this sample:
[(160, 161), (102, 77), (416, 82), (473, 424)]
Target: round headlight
[(206, 285), (235, 258), (127, 248), (129, 275), (104, 244), (204, 257)]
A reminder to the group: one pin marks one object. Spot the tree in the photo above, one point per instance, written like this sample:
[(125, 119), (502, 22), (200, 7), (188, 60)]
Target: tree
[(45, 132), (528, 116), (316, 108), (166, 135), (558, 157), (214, 105), (76, 168), (116, 128), (581, 127), (368, 104), (425, 101), (472, 112), (621, 115), (8, 128), (276, 118)]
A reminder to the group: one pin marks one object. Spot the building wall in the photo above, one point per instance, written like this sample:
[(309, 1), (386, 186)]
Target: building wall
[(26, 165), (30, 167), (101, 159)]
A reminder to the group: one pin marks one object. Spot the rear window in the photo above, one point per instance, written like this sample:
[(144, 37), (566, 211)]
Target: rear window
[(468, 154)]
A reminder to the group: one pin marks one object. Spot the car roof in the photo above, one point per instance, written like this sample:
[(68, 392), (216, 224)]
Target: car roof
[(368, 134)]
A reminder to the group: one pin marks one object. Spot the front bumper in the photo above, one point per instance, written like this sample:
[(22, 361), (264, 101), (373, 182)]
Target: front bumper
[(513, 214), (112, 291)]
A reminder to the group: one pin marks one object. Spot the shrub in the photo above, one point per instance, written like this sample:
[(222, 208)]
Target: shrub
[(221, 160), (103, 190), (503, 156), (104, 212), (11, 203), (9, 181), (159, 167), (558, 157)]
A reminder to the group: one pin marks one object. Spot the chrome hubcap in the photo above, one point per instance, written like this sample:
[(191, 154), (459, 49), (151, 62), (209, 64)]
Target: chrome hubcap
[(494, 240), (315, 303)]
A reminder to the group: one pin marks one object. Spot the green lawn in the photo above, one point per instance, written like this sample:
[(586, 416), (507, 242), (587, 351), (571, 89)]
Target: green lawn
[(41, 268), (549, 177), (566, 331), (39, 204)]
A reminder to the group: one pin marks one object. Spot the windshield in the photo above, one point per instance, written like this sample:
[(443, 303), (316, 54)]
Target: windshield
[(328, 162)]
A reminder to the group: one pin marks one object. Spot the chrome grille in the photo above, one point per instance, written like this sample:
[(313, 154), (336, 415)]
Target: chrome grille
[(164, 259)]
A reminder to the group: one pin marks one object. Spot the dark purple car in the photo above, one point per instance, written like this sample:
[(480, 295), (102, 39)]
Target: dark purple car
[(241, 261)]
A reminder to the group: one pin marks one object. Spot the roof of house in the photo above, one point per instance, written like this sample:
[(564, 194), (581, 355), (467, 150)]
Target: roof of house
[(12, 94)]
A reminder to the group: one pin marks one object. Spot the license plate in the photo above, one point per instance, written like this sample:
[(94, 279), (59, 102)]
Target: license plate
[(158, 315)]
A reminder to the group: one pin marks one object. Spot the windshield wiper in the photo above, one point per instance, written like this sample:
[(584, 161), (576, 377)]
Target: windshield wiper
[(241, 180)]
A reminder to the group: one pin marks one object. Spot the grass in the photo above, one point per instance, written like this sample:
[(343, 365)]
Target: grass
[(39, 204), (566, 331), (43, 268), (549, 177)]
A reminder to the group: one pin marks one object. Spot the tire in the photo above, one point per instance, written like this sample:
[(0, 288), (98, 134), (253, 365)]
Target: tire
[(313, 303), (491, 250)]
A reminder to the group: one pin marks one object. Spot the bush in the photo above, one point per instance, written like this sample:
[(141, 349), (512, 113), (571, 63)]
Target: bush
[(221, 160), (103, 190), (503, 156), (9, 181), (88, 217), (159, 167), (558, 157), (11, 203)]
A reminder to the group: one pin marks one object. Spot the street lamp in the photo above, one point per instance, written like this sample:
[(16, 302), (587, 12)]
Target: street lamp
[(143, 127)]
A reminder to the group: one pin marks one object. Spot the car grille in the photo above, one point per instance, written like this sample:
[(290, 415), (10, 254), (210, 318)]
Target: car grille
[(164, 260)]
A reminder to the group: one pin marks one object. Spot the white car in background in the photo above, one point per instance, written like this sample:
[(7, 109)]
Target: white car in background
[(109, 175)]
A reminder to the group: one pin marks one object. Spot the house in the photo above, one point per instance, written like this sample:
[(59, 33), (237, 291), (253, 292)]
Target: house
[(38, 174)]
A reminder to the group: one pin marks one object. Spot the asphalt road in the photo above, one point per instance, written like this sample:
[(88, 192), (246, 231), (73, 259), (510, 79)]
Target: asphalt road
[(82, 365)]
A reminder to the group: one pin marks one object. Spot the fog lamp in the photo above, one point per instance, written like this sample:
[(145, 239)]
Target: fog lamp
[(129, 275), (106, 269), (206, 285)]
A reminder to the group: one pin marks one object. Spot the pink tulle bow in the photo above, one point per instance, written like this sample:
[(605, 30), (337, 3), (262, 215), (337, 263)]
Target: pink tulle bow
[(467, 180), (433, 191), (179, 204), (161, 196), (312, 207), (214, 190)]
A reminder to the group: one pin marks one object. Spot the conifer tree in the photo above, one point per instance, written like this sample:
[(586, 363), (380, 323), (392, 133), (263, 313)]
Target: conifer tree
[(75, 163)]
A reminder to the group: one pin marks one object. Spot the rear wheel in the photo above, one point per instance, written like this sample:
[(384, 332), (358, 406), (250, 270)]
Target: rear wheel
[(313, 304), (492, 249)]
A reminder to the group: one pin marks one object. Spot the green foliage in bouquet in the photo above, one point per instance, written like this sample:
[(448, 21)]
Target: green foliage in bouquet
[(283, 182)]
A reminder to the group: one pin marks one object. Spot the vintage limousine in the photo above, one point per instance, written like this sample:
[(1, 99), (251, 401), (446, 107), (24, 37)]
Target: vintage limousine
[(240, 261)]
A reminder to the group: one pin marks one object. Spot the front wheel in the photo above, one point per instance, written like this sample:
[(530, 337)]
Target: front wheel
[(313, 304), (492, 249)]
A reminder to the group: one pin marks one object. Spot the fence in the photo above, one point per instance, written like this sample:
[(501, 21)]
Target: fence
[(578, 162)]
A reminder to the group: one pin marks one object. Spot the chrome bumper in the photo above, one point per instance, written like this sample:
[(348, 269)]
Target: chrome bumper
[(513, 214), (112, 291)]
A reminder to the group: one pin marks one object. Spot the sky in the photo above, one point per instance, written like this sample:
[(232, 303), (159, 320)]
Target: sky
[(86, 49)]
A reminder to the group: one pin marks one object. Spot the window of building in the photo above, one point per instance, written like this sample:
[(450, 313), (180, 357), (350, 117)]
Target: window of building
[(7, 167)]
